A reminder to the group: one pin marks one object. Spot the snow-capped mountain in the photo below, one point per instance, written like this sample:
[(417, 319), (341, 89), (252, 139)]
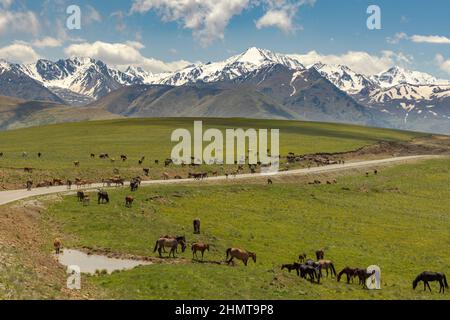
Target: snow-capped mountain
[(397, 76), (391, 95), (344, 78), (251, 60)]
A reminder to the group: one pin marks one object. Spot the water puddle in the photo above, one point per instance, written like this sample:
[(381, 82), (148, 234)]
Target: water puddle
[(91, 263)]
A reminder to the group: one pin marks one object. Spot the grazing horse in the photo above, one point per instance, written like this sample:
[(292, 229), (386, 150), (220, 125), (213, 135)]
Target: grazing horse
[(80, 196), (29, 185), (76, 163), (295, 266), (196, 226), (429, 276), (129, 201), (103, 197), (363, 275), (327, 264), (162, 243), (240, 254), (39, 154), (199, 246), (307, 270), (57, 246), (28, 170), (349, 272), (92, 155), (320, 254), (146, 171), (269, 181)]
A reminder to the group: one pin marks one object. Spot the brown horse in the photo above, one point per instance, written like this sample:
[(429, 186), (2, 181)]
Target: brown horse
[(295, 266), (169, 243), (239, 254), (196, 226), (129, 201), (199, 246), (57, 245), (363, 275), (349, 272)]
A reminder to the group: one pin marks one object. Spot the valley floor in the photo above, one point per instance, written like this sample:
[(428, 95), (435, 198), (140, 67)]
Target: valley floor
[(398, 219)]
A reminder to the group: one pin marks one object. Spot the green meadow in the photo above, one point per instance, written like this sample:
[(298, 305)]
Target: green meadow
[(62, 145), (399, 220)]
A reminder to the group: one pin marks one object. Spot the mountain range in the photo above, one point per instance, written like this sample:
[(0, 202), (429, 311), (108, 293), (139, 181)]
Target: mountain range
[(256, 84)]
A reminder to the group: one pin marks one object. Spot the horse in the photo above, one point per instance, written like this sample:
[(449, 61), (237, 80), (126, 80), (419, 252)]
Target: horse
[(146, 171), (103, 197), (29, 185), (76, 163), (178, 238), (320, 254), (295, 266), (129, 201), (199, 247), (165, 176), (86, 200), (239, 254), (169, 243), (80, 196), (57, 246), (196, 226), (269, 181), (302, 257), (363, 275), (349, 272), (429, 276), (327, 264), (134, 185), (307, 270)]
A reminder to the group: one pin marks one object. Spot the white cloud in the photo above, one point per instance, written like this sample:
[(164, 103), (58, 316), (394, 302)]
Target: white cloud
[(47, 42), (281, 15), (206, 18), (22, 21), (430, 39), (279, 18), (19, 53), (359, 61), (122, 54), (397, 38), (443, 64)]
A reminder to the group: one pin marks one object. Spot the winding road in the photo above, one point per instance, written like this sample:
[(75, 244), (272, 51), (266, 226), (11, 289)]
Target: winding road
[(16, 195)]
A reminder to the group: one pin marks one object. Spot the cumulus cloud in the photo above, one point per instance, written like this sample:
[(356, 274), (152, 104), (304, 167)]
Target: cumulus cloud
[(359, 61), (19, 53), (397, 38), (122, 54), (18, 21), (206, 18), (281, 15)]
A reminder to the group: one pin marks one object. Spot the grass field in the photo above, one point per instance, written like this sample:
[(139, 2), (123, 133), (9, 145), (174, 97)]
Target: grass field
[(398, 220), (61, 145)]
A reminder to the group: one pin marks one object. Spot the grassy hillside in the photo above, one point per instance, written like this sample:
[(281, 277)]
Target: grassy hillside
[(398, 220), (16, 113), (63, 144)]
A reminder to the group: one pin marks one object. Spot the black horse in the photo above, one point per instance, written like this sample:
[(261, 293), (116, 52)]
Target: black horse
[(103, 197), (312, 272), (295, 266), (429, 276), (134, 185)]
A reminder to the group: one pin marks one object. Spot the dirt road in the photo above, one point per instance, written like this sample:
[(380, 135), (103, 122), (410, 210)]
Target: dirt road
[(15, 195)]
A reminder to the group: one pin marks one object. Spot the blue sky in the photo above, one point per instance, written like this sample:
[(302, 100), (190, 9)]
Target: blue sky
[(162, 35)]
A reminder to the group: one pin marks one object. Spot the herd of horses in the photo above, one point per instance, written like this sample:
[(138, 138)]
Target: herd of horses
[(308, 269), (312, 270)]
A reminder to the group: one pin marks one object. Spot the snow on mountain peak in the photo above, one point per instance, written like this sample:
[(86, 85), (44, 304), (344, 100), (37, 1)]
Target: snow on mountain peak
[(398, 75)]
